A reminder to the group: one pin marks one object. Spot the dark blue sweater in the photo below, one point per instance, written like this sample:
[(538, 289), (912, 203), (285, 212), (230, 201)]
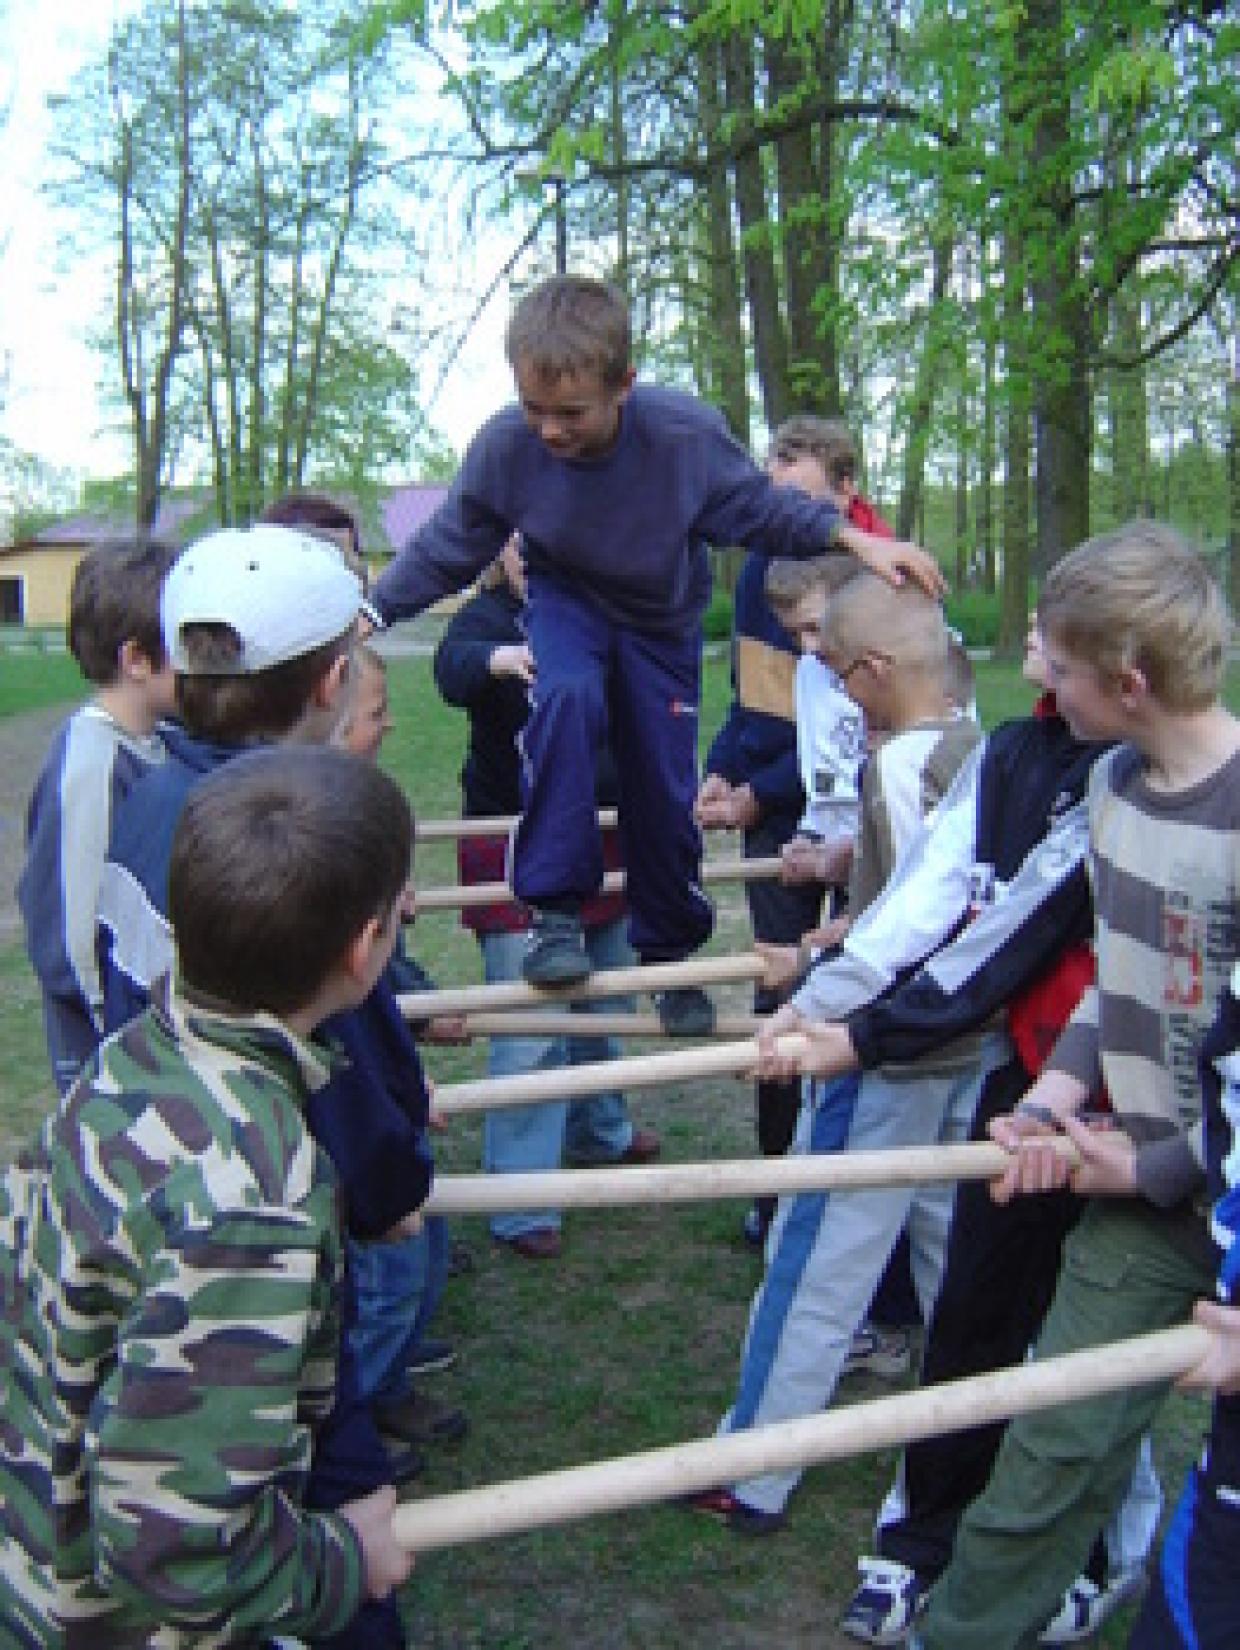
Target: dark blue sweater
[(629, 530), (756, 746), (371, 1117)]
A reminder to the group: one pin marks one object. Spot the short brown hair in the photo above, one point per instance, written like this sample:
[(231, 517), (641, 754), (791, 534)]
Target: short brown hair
[(279, 860), (1141, 597), (828, 440), (317, 510), (569, 325), (115, 599), (219, 705), (787, 581)]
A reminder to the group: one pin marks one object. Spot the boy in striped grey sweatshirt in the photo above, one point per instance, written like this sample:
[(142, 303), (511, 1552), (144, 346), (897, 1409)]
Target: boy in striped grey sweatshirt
[(1135, 634)]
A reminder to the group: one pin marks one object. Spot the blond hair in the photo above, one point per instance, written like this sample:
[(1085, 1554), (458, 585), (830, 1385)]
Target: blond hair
[(1142, 598), (868, 615), (788, 582)]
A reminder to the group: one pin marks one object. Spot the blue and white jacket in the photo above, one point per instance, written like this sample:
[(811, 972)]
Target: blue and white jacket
[(988, 895), (89, 770)]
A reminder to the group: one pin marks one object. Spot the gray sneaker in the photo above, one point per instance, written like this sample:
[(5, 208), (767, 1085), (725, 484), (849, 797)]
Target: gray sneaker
[(685, 1011), (556, 952)]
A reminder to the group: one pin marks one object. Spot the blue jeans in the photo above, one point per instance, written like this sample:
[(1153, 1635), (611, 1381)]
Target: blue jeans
[(398, 1288), (524, 1139)]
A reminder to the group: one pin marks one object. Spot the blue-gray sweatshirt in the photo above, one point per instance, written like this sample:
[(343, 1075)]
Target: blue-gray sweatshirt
[(628, 530)]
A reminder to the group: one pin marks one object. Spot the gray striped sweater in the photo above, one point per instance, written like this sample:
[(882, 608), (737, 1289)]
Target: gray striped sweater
[(1165, 868)]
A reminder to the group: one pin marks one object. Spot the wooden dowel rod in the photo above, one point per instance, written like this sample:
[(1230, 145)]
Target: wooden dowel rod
[(535, 1022), (608, 982), (613, 1188), (450, 830), (636, 1071), (462, 897), (884, 1423)]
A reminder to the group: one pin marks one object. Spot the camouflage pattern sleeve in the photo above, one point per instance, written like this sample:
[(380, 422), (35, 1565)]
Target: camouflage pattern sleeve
[(200, 1445), (169, 1328)]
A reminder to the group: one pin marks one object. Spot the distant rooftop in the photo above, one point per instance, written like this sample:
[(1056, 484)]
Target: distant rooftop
[(386, 524)]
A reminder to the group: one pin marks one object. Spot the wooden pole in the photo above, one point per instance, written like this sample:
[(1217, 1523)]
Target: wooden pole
[(613, 1188), (463, 896), (637, 1071), (608, 982), (884, 1423), (451, 830), (534, 1022)]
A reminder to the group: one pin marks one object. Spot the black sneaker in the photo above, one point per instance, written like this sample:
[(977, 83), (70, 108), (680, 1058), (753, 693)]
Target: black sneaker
[(404, 1465), (556, 951), (685, 1011), (418, 1419), (430, 1356)]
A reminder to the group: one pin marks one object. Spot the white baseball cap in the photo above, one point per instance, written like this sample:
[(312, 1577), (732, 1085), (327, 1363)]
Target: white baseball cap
[(282, 591)]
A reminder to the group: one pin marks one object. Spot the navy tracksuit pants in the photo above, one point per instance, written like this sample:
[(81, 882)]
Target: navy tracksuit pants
[(1194, 1599), (600, 680)]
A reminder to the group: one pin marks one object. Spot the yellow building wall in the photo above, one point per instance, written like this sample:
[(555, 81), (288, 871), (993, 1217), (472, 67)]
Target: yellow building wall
[(46, 572)]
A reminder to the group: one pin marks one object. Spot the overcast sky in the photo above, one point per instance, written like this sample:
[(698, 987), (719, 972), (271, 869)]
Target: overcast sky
[(51, 405), (48, 302)]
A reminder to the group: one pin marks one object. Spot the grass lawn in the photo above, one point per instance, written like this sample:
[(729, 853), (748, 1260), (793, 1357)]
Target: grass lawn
[(629, 1342)]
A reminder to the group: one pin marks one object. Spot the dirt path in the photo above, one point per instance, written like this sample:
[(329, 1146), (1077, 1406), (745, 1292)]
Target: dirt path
[(24, 741)]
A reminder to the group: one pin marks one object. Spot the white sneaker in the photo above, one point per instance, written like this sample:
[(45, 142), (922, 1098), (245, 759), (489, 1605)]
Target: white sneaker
[(874, 1351), (1086, 1606), (886, 1603)]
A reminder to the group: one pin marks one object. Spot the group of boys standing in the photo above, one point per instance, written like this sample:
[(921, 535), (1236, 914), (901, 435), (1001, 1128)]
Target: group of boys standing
[(172, 1247)]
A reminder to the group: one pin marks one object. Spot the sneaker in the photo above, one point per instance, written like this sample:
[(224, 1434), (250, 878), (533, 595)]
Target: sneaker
[(875, 1351), (540, 1243), (685, 1011), (886, 1604), (556, 951), (404, 1465), (643, 1147), (738, 1515), (418, 1419), (430, 1356), (460, 1259), (754, 1227), (1086, 1606)]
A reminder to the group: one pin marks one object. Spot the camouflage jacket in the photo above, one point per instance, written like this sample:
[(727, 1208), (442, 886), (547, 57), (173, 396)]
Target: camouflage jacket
[(170, 1258)]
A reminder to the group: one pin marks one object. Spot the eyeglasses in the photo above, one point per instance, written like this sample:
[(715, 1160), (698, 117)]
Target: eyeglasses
[(867, 658)]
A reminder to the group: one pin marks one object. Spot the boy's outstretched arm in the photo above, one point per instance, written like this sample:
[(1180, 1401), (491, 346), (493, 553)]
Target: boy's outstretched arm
[(893, 559), (1219, 1370)]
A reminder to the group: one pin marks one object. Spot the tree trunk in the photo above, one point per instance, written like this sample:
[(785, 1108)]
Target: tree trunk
[(761, 282), (1129, 416), (725, 333), (616, 25), (921, 409), (1233, 474), (986, 457), (808, 261), (1061, 394)]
